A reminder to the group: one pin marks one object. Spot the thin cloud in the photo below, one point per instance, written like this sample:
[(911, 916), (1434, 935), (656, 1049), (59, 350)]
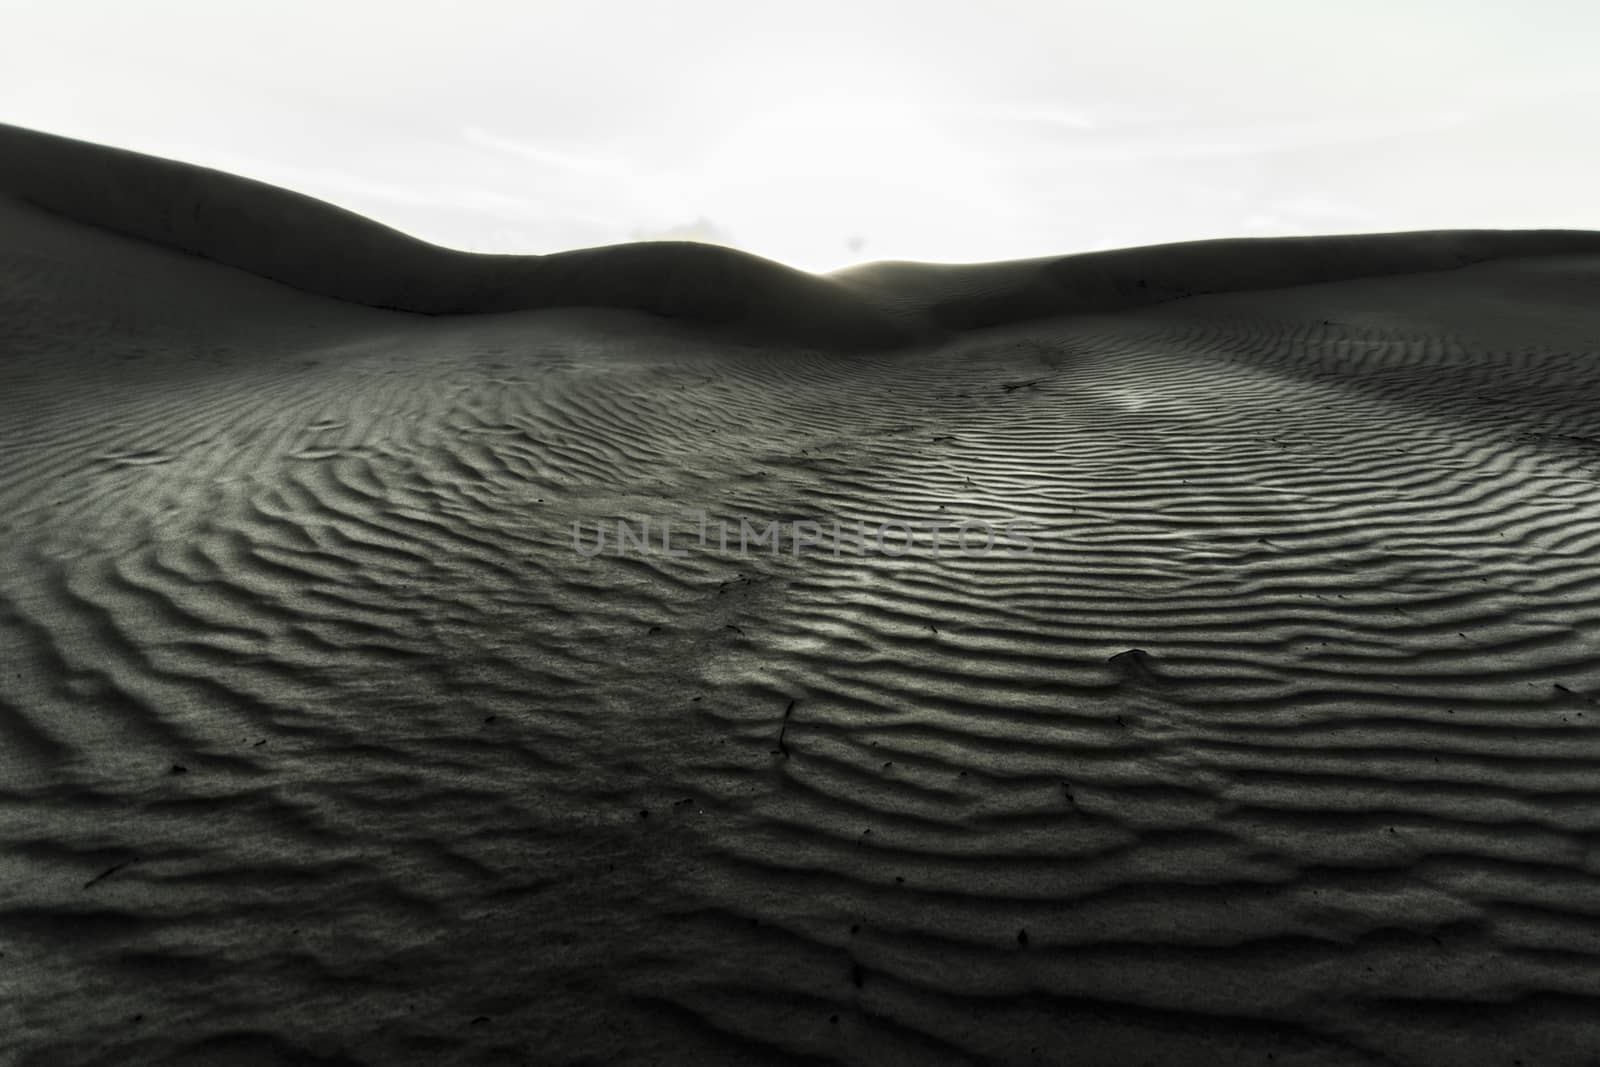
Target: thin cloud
[(590, 165), (1201, 141)]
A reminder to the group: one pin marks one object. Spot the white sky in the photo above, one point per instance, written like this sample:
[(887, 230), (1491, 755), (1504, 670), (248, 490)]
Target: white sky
[(826, 132)]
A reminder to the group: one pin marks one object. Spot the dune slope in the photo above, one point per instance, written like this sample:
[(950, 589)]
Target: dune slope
[(321, 249), (322, 742)]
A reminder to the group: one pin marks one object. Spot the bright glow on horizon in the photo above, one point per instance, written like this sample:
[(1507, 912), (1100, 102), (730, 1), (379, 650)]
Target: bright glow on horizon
[(845, 131)]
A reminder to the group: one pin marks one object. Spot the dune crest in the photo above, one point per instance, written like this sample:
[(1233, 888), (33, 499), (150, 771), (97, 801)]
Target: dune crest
[(319, 248)]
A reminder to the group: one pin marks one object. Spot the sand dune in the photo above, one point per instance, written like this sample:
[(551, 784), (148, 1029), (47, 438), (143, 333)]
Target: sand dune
[(320, 743), (321, 249)]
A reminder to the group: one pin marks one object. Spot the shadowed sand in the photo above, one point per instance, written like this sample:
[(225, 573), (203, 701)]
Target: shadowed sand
[(319, 743)]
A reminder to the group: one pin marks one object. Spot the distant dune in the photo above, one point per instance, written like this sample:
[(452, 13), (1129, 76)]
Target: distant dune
[(325, 739), (318, 248)]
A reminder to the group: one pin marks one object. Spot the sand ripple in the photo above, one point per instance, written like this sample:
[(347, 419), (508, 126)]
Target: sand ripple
[(321, 744)]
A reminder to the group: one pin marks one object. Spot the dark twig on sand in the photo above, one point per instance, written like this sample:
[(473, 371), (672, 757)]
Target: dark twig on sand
[(784, 729), (108, 872)]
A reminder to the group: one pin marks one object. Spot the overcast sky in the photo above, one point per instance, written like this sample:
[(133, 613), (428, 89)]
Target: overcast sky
[(827, 133)]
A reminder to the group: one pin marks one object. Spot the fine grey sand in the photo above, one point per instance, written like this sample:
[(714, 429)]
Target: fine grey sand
[(321, 743)]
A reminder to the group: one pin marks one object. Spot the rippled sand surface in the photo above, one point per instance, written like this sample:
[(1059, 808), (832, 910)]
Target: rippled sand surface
[(320, 743)]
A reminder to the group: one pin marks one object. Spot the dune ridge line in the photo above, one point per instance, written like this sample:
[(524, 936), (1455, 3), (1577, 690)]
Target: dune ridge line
[(318, 248)]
